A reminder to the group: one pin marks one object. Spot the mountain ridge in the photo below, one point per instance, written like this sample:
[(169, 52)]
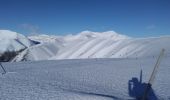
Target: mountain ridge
[(81, 46), (86, 44)]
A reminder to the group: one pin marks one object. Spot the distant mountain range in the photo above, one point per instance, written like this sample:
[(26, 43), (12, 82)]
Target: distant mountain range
[(86, 44)]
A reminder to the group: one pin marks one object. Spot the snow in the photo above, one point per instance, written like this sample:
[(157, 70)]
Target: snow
[(86, 66), (107, 34), (12, 41), (46, 38), (86, 79), (89, 44)]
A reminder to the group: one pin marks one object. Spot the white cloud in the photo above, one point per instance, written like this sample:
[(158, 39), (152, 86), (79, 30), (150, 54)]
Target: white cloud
[(29, 28), (152, 26)]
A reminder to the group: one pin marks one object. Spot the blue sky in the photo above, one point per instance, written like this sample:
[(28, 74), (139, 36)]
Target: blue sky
[(136, 18)]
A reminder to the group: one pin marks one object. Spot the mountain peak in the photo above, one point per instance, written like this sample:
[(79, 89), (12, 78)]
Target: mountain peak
[(13, 41), (107, 34), (7, 34)]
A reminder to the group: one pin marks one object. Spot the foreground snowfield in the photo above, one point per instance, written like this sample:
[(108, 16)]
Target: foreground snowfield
[(88, 79)]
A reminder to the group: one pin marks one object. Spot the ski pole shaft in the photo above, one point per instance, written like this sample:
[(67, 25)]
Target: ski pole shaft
[(152, 77), (156, 67), (3, 68)]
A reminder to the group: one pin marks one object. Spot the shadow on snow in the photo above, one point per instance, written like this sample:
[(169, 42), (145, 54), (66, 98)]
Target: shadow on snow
[(136, 89)]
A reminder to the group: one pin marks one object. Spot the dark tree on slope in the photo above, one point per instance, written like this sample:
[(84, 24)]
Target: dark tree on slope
[(9, 55)]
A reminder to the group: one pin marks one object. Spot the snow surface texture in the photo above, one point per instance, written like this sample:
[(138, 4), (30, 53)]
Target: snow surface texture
[(122, 73), (12, 41), (93, 45), (90, 79)]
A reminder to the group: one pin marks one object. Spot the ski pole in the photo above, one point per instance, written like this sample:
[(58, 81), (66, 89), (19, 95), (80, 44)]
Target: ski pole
[(152, 77), (3, 68)]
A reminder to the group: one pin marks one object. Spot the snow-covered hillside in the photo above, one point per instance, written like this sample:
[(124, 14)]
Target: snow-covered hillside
[(121, 68), (12, 41), (93, 45), (87, 79)]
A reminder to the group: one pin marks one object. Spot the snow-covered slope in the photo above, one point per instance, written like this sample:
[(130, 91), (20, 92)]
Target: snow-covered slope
[(12, 41), (122, 73), (87, 79), (42, 51), (93, 45)]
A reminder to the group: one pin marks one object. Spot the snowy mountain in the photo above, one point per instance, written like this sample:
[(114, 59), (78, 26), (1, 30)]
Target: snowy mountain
[(11, 44), (120, 71), (12, 41), (93, 45)]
